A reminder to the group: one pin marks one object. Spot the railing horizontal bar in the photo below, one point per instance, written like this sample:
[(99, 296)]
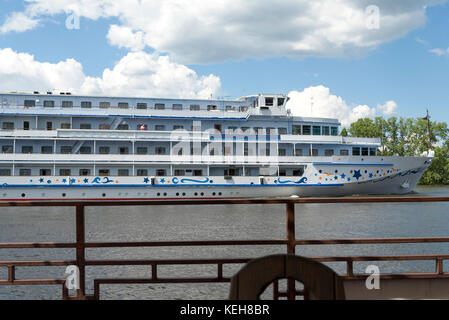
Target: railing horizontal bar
[(381, 258), (373, 199), (27, 245), (421, 275), (165, 262), (373, 241), (33, 282), (160, 280), (37, 263), (185, 243)]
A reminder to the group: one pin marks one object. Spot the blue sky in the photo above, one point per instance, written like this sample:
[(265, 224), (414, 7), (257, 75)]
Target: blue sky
[(411, 69)]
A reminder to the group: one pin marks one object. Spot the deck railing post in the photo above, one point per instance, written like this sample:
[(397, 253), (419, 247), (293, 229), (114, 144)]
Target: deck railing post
[(80, 251), (291, 244)]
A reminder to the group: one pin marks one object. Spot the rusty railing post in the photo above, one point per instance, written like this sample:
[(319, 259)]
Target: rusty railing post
[(291, 244), (80, 250)]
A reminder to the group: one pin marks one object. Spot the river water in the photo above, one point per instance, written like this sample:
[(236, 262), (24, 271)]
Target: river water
[(224, 222)]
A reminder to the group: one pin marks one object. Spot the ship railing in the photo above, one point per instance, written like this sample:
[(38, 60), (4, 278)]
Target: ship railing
[(287, 244)]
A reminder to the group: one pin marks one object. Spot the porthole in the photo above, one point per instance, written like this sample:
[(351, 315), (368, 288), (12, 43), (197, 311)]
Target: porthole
[(23, 195), (165, 194), (321, 171), (63, 195), (158, 194), (202, 193), (183, 194), (177, 194), (219, 193), (213, 193), (336, 171), (196, 194), (104, 195)]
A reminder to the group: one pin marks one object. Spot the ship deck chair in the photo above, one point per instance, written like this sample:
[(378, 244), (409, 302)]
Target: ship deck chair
[(320, 281)]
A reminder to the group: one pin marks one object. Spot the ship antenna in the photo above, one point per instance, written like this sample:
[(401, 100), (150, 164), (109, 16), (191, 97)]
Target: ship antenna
[(429, 133)]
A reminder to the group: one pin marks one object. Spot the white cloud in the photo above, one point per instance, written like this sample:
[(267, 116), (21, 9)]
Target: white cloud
[(388, 108), (18, 22), (199, 31), (136, 74), (440, 52), (319, 102)]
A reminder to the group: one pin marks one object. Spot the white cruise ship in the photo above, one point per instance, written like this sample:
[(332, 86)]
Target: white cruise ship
[(58, 146)]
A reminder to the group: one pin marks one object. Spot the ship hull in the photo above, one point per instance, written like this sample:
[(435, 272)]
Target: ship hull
[(336, 177)]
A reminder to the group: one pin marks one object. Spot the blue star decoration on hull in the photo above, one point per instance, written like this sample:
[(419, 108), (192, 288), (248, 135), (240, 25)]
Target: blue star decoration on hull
[(146, 180), (357, 174)]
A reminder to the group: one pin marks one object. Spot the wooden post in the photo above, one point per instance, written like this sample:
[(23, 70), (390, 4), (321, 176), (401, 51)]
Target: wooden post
[(80, 250), (291, 287)]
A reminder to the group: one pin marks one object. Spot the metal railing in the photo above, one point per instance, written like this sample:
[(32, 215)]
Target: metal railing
[(290, 242)]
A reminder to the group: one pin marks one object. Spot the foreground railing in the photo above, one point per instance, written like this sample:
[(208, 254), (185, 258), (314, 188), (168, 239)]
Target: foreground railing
[(289, 241)]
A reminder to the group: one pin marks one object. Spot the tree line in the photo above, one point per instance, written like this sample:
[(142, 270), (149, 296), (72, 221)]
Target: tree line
[(408, 137)]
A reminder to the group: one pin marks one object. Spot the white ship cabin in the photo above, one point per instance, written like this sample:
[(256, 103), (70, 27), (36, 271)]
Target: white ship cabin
[(61, 134)]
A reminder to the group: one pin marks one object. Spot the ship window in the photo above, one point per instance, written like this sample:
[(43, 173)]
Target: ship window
[(85, 126), (86, 104), (123, 150), (65, 172), (243, 109), (326, 131), (142, 172), (306, 130), (103, 150), (195, 107), (45, 172), (5, 172), (84, 172), (298, 172), (177, 106), (230, 108), (334, 131), (105, 105), (66, 149), (65, 125), (316, 130), (123, 172), (329, 152), (142, 150), (296, 130), (179, 172), (281, 101), (160, 150), (372, 151), (27, 149), (25, 172), (282, 152), (365, 151), (123, 105), (356, 151), (178, 127), (49, 104), (142, 106), (49, 125), (314, 152), (160, 172), (269, 102), (159, 106), (8, 125), (7, 149), (29, 103), (26, 125), (123, 126), (85, 150), (67, 104), (282, 172), (159, 127), (46, 149), (211, 107), (344, 152), (104, 126), (282, 130), (298, 152), (103, 172)]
